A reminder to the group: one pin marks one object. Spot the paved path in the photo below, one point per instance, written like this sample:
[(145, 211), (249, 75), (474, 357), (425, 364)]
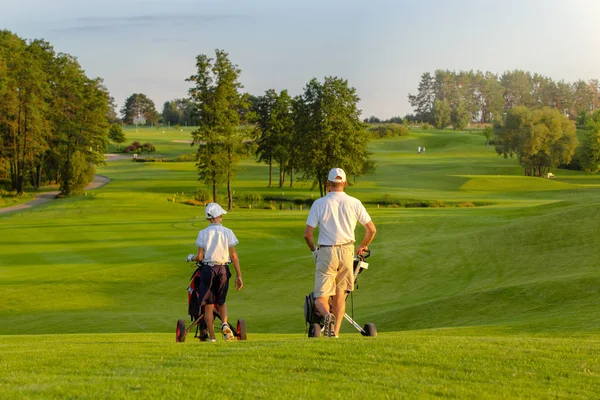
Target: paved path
[(41, 198)]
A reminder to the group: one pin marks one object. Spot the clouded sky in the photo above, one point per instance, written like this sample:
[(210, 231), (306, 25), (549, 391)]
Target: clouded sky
[(380, 46)]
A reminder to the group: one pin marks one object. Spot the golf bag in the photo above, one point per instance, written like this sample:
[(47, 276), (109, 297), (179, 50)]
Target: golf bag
[(310, 312), (193, 299)]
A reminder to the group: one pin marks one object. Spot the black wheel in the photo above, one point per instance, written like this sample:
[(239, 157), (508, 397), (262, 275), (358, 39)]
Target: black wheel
[(180, 331), (314, 330), (241, 329), (370, 329)]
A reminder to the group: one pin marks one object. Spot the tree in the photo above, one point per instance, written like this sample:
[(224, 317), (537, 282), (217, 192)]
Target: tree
[(217, 103), (138, 105), (115, 134), (79, 124), (441, 114), (171, 114), (590, 160), (540, 139), (274, 119), (460, 116), (266, 141), (422, 102), (23, 108), (328, 131)]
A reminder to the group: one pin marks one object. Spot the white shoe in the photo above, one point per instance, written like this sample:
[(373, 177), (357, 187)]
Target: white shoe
[(227, 332)]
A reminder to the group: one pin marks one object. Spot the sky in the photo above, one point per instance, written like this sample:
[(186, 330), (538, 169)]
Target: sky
[(382, 47)]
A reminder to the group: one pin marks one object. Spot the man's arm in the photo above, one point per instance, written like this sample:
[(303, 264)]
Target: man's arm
[(369, 235), (236, 263), (308, 237)]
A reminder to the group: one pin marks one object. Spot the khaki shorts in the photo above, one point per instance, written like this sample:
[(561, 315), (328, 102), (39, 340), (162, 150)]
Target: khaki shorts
[(334, 270)]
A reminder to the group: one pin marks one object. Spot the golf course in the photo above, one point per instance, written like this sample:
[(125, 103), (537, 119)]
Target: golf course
[(482, 283)]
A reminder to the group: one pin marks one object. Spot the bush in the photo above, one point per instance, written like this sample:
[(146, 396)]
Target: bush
[(388, 130), (5, 184), (202, 195), (185, 157), (136, 145), (426, 126), (298, 202), (192, 202), (149, 147), (251, 197)]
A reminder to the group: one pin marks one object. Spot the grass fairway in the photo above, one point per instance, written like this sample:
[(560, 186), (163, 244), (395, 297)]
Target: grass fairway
[(495, 301), (393, 366)]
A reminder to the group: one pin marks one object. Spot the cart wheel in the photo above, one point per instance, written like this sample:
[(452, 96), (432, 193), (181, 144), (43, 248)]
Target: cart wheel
[(370, 330), (314, 330), (241, 329), (180, 331)]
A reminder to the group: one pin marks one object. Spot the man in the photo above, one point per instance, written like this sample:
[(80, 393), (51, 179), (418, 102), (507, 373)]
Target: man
[(216, 249), (336, 215)]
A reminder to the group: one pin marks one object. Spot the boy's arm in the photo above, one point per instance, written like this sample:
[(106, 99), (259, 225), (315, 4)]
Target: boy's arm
[(236, 263), (200, 255)]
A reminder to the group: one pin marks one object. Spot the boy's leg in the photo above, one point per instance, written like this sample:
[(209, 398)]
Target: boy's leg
[(223, 311), (209, 318)]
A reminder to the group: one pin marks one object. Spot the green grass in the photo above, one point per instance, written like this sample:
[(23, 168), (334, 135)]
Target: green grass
[(495, 301), (394, 366)]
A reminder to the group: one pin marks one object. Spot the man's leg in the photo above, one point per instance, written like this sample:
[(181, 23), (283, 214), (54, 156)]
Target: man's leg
[(339, 309), (322, 305), (223, 312), (209, 318)]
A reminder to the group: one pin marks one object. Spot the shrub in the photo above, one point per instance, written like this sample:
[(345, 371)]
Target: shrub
[(136, 145), (185, 157), (388, 130), (298, 202), (251, 197), (426, 126), (129, 149), (149, 147), (203, 195), (192, 202), (5, 184)]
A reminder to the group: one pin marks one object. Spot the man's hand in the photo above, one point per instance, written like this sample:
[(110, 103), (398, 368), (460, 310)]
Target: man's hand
[(239, 283), (190, 258), (360, 250)]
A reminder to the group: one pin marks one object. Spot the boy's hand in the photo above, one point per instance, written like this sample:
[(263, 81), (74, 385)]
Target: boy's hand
[(190, 258), (239, 283)]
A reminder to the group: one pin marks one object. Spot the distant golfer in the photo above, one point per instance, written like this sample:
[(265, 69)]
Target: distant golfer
[(336, 215), (216, 249)]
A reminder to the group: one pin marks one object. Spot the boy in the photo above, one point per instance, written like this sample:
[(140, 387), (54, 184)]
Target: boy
[(216, 249)]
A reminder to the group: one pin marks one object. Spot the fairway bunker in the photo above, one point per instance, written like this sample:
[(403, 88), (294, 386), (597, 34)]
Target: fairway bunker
[(197, 316), (315, 322)]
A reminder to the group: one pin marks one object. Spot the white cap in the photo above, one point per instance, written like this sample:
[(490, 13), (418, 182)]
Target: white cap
[(213, 210), (337, 175)]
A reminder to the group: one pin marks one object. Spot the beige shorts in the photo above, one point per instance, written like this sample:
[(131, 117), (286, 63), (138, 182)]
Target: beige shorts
[(334, 270)]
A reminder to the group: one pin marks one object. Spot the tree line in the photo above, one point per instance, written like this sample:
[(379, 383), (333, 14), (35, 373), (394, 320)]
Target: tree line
[(53, 118), (306, 135), (450, 98)]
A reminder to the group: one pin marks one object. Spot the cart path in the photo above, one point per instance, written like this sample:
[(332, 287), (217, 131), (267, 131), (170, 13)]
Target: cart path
[(41, 198)]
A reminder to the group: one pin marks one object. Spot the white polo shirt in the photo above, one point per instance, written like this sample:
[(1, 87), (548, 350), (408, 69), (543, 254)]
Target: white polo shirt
[(337, 214), (216, 241)]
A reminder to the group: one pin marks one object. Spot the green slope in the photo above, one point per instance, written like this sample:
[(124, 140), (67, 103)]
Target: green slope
[(112, 261)]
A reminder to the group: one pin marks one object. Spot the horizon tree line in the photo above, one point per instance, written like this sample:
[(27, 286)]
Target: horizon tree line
[(458, 98)]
